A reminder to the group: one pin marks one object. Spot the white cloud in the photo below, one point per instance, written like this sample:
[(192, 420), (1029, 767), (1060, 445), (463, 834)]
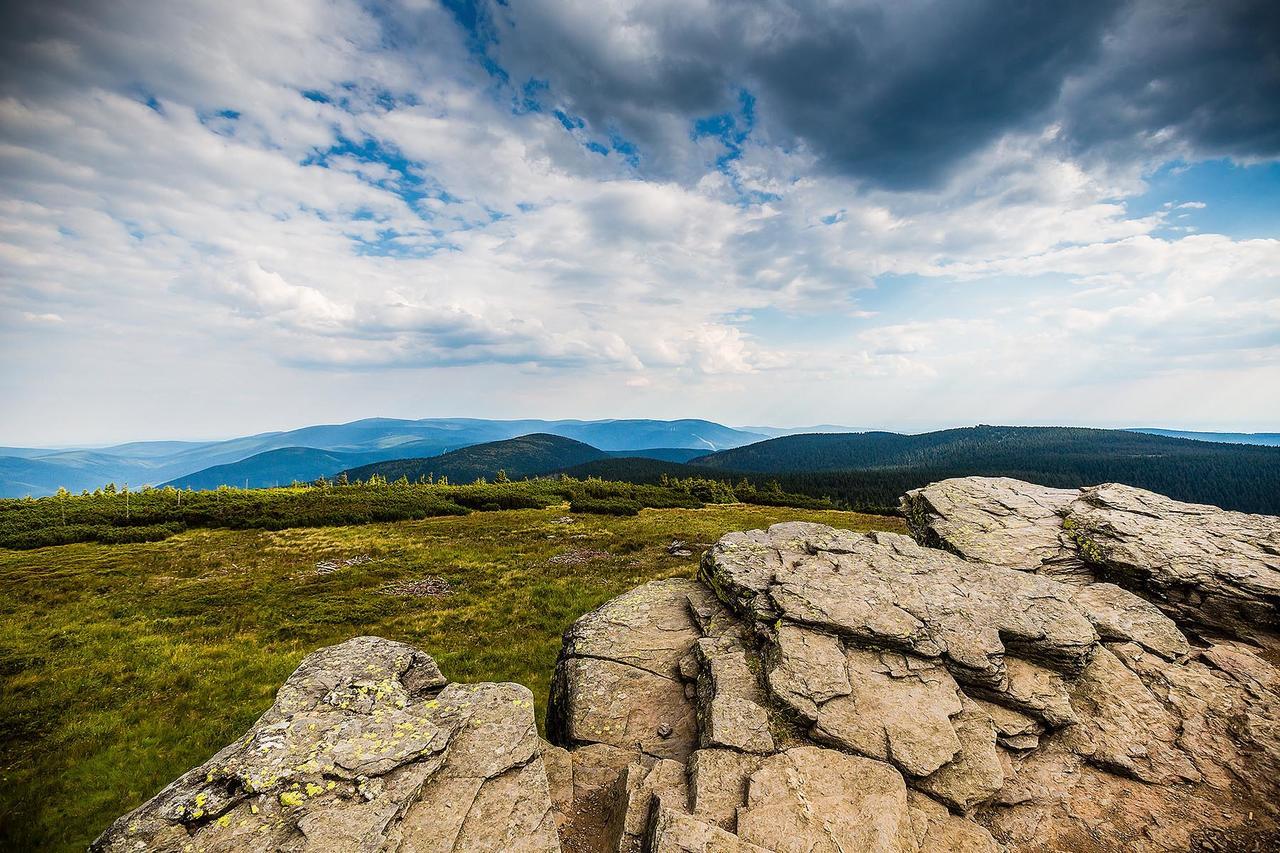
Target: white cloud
[(491, 256)]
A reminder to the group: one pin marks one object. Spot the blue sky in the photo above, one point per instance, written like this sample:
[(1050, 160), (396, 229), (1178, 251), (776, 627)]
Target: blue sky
[(217, 219)]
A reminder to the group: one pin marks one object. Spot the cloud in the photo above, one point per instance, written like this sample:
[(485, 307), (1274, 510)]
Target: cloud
[(279, 203), (898, 94)]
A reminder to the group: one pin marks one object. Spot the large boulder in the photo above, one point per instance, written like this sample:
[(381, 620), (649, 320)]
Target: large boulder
[(367, 748), (1212, 571), (996, 521), (1202, 565)]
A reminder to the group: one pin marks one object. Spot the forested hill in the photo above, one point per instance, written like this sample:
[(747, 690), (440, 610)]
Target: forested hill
[(526, 456), (871, 468)]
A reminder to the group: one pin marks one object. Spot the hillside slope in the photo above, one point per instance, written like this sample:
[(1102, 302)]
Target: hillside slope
[(272, 468), (526, 456), (871, 469)]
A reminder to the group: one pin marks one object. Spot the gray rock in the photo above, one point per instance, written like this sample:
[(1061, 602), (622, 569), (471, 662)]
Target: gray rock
[(937, 829), (810, 800), (995, 521), (976, 773), (618, 679), (731, 709), (365, 749), (674, 832), (634, 795), (1118, 614), (604, 701), (900, 714), (718, 784), (805, 668), (1202, 565), (884, 590)]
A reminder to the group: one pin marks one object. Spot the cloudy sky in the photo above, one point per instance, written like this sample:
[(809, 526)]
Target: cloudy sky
[(218, 218)]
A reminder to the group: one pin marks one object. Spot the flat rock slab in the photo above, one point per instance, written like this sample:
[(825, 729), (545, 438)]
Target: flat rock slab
[(618, 679), (811, 800), (997, 521), (365, 748)]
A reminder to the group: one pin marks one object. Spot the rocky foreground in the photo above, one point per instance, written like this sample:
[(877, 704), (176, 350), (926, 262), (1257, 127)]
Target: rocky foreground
[(1038, 669)]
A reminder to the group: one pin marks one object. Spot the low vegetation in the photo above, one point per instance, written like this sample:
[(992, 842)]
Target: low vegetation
[(116, 516), (124, 665)]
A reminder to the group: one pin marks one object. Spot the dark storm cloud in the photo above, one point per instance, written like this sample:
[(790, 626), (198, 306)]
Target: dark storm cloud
[(898, 92), (1205, 75)]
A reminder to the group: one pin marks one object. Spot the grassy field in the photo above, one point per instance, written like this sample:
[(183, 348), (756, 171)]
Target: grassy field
[(124, 665)]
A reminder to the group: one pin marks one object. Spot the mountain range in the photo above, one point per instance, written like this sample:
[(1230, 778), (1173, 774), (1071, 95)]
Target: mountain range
[(278, 458), (870, 470), (860, 467)]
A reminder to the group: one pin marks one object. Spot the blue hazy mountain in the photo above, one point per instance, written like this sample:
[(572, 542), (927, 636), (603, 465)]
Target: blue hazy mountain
[(1269, 439), (36, 471), (778, 432)]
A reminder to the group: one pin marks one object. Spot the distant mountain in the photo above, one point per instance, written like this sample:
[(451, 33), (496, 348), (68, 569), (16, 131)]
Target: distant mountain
[(871, 469), (635, 434), (777, 432), (1269, 439), (666, 454), (526, 456), (273, 468), (152, 462)]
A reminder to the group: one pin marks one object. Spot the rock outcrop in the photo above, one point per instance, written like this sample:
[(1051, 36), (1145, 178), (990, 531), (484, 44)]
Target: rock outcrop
[(1215, 572), (1038, 669), (368, 747), (999, 684)]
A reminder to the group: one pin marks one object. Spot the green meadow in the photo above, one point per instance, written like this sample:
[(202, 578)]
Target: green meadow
[(123, 665)]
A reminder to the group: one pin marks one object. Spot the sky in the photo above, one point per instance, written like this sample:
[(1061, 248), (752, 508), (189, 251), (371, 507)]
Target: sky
[(222, 218)]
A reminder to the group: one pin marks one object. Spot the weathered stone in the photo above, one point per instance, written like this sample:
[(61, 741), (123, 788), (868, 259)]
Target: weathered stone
[(718, 784), (1200, 564), (596, 767), (810, 800), (730, 700), (805, 669), (674, 832), (604, 701), (996, 521), (939, 831), (1123, 727), (365, 748), (650, 627), (1013, 730), (1118, 614), (975, 774), (884, 590), (618, 677), (634, 794), (899, 714), (1036, 691), (712, 618), (559, 765)]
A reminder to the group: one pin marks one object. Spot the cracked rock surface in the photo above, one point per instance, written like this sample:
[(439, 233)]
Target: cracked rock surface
[(367, 748), (989, 687), (1212, 571)]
